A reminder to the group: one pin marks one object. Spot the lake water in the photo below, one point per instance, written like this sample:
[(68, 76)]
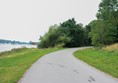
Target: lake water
[(8, 47)]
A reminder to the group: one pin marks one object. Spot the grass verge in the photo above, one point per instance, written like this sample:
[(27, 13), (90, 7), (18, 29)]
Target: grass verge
[(106, 61), (13, 64)]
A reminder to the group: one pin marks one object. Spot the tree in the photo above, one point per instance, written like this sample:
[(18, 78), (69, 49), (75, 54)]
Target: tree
[(108, 11), (74, 31), (105, 28), (50, 39), (102, 34)]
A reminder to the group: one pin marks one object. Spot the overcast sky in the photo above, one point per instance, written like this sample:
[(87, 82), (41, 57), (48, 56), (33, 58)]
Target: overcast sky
[(26, 20)]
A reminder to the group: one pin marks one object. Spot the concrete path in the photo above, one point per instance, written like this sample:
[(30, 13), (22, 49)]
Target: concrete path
[(63, 67)]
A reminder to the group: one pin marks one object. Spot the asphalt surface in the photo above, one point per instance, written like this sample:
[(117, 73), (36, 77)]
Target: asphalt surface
[(63, 67)]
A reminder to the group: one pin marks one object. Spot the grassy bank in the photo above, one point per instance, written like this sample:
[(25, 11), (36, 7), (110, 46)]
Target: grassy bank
[(104, 60), (13, 64)]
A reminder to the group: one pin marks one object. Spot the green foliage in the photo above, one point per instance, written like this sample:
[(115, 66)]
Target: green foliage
[(103, 33), (87, 38), (105, 28), (73, 31), (63, 39), (50, 39), (68, 34), (108, 9)]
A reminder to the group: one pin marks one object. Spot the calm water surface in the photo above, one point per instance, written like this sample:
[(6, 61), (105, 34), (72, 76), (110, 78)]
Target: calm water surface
[(8, 47)]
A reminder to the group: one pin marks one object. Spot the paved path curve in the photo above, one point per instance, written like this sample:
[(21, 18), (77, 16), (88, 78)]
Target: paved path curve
[(63, 67)]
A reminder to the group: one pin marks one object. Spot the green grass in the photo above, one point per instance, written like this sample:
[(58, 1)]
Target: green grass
[(106, 61), (13, 64)]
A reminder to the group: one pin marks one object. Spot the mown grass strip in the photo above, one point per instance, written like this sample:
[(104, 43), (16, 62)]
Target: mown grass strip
[(107, 61), (13, 64)]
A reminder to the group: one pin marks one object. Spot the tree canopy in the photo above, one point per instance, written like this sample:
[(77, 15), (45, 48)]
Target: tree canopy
[(104, 30), (67, 34)]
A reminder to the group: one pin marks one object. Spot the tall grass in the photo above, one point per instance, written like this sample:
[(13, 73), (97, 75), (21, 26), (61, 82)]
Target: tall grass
[(113, 47)]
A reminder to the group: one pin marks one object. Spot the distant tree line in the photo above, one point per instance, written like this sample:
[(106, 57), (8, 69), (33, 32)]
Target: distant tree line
[(3, 41), (99, 32)]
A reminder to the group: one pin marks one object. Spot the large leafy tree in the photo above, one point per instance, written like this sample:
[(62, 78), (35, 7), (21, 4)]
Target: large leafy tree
[(102, 33), (105, 28), (108, 11), (74, 31)]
